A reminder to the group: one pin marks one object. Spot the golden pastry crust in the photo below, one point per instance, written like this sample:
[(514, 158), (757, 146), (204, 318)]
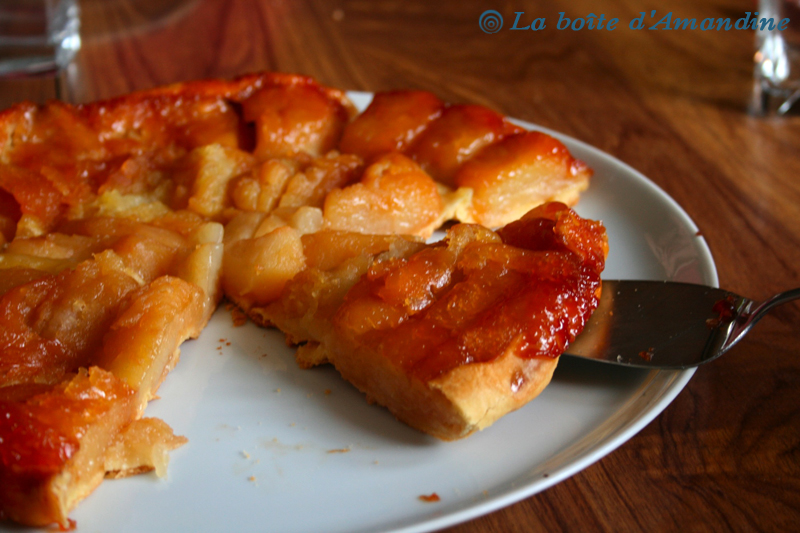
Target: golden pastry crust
[(452, 406)]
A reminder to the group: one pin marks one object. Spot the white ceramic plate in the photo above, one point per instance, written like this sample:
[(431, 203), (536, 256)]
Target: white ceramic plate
[(273, 448)]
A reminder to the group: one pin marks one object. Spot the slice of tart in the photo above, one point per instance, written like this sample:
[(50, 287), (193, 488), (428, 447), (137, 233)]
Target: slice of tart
[(449, 336)]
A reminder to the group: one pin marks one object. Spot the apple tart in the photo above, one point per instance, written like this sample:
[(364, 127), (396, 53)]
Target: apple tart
[(124, 222)]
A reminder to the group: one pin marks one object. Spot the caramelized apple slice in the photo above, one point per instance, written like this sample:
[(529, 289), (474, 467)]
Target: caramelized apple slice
[(391, 123), (453, 138), (141, 345), (518, 173), (295, 119), (324, 174), (53, 440)]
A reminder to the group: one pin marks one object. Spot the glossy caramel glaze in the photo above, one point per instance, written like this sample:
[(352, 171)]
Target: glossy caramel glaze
[(390, 123), (456, 136), (40, 425), (467, 300), (56, 158), (45, 428), (294, 119)]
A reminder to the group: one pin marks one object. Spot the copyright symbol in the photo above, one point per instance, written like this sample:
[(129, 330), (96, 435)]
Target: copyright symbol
[(491, 21)]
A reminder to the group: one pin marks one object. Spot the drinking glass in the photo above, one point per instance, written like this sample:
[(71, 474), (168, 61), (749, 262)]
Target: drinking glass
[(37, 37), (776, 88)]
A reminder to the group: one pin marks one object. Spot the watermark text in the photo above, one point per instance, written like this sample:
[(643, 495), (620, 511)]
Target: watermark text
[(491, 21)]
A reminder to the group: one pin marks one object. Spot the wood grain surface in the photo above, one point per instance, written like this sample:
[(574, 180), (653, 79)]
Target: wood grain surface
[(672, 104)]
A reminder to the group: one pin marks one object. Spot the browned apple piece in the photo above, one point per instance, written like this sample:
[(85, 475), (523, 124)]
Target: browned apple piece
[(139, 122), (390, 123), (522, 171), (40, 202), (393, 196), (16, 276), (55, 324), (327, 250), (456, 136), (295, 119)]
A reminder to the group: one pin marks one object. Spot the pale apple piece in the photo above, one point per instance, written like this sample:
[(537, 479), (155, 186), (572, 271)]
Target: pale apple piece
[(307, 220), (141, 175), (295, 120), (55, 246), (150, 251), (522, 171), (312, 185), (457, 204), (304, 220), (48, 265), (58, 436), (208, 171), (203, 265), (261, 189), (242, 226), (30, 225), (393, 196), (255, 270), (142, 208), (144, 445)]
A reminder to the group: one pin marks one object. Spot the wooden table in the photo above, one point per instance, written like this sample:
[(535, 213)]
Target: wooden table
[(672, 104)]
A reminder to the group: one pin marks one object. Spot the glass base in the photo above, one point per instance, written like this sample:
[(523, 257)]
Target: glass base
[(770, 100)]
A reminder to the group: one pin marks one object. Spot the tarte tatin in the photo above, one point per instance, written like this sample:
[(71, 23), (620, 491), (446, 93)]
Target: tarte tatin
[(124, 222)]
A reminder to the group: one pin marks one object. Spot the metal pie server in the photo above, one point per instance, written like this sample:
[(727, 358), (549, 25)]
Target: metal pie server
[(669, 325)]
